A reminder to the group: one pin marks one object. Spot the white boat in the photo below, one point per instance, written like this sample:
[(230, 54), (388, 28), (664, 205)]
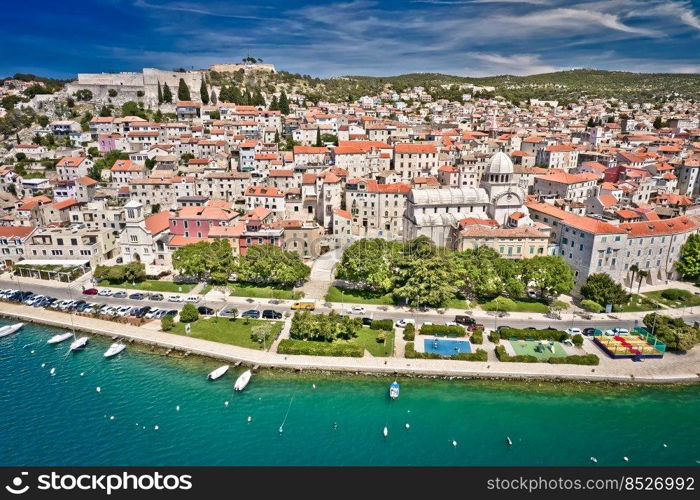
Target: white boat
[(218, 373), (394, 390), (114, 349), (386, 431), (57, 339), (242, 381), (10, 329), (79, 344)]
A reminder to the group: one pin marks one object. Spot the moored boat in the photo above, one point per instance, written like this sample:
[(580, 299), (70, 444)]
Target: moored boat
[(79, 344), (218, 373), (242, 381), (114, 349), (394, 390), (57, 339), (10, 329)]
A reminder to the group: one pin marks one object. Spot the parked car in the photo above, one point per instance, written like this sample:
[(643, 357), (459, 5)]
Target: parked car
[(152, 313), (206, 311), (105, 292), (156, 296), (617, 331), (171, 312), (304, 305), (137, 296), (357, 310), (464, 320), (403, 322), (192, 299), (90, 291), (124, 311), (119, 295), (573, 331), (32, 299), (589, 331), (367, 321), (251, 313), (175, 298), (475, 326), (77, 304), (271, 314), (532, 294)]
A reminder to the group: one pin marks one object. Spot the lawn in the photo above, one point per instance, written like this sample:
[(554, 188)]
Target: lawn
[(522, 347), (152, 286), (264, 291), (640, 303), (227, 331), (690, 301), (526, 305), (367, 338), (336, 294)]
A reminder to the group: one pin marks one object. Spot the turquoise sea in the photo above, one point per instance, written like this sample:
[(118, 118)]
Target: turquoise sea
[(63, 420)]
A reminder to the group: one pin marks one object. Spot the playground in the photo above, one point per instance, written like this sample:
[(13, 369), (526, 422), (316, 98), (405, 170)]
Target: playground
[(541, 349), (637, 345)]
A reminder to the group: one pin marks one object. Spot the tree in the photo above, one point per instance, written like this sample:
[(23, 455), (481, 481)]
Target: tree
[(601, 288), (658, 122), (425, 282), (112, 93), (475, 274), (369, 263), (203, 93), (183, 91), (689, 262), (84, 95), (131, 108), (271, 264), (284, 103), (319, 142), (552, 275), (641, 276), (167, 323), (167, 93), (674, 332), (205, 259), (213, 99), (160, 93), (634, 269), (274, 105), (189, 313), (134, 272)]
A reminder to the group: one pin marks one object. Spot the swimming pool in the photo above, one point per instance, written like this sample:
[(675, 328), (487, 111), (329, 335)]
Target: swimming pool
[(445, 347)]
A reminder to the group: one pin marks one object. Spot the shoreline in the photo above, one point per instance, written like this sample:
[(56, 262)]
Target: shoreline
[(400, 367)]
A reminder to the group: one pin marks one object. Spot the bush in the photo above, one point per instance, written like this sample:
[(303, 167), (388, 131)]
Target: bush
[(500, 304), (409, 333), (313, 348), (577, 340), (557, 335), (477, 336), (575, 359), (591, 306), (502, 355), (167, 323), (410, 353), (382, 324), (189, 314), (495, 337), (676, 294), (455, 330)]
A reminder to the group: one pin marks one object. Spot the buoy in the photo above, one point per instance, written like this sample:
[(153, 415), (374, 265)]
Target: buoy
[(665, 445), (177, 408), (625, 459), (98, 389), (408, 426), (250, 419), (313, 385), (53, 371), (137, 424), (386, 432), (225, 403), (111, 417), (32, 351), (156, 428), (454, 443), (43, 365), (594, 460), (82, 373)]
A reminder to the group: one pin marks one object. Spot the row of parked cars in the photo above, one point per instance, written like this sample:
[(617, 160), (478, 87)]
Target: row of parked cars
[(121, 294)]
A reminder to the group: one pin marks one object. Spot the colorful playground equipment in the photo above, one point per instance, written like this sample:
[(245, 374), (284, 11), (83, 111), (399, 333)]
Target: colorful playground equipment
[(639, 344)]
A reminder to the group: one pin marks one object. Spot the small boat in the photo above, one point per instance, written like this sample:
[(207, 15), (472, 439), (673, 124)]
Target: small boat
[(114, 349), (10, 329), (218, 373), (394, 390), (57, 339), (242, 381), (508, 441), (79, 344), (386, 431)]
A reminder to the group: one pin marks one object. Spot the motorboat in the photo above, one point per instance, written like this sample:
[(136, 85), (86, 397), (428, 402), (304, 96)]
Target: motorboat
[(10, 329), (218, 373), (57, 339), (394, 390), (79, 344), (242, 381), (114, 349)]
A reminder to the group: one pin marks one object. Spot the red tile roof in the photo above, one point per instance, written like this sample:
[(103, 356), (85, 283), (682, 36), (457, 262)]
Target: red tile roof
[(158, 223), (660, 227)]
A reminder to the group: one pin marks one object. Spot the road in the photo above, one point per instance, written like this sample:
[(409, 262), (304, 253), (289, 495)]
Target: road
[(391, 312)]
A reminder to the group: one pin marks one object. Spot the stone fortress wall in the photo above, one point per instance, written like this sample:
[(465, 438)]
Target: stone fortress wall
[(231, 68)]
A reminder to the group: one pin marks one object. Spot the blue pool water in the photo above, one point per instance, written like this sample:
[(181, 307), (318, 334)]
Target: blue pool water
[(447, 347)]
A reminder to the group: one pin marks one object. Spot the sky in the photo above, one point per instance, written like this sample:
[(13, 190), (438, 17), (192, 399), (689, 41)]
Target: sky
[(358, 37)]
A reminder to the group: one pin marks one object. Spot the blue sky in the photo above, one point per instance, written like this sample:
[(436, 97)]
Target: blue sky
[(461, 37)]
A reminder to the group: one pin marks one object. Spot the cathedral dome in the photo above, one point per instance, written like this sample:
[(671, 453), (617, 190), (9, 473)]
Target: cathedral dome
[(500, 163)]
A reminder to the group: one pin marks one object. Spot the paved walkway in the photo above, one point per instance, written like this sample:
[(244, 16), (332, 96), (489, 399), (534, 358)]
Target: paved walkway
[(673, 368), (321, 275)]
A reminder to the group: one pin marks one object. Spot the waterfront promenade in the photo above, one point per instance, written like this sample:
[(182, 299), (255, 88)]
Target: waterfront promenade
[(674, 368)]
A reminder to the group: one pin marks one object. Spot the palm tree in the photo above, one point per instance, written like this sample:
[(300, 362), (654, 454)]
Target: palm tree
[(641, 275), (634, 269)]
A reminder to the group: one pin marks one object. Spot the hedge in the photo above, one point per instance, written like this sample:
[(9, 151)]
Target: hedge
[(557, 335), (676, 294), (494, 337), (577, 340), (382, 324), (410, 353), (455, 330), (409, 333), (575, 359), (313, 348), (477, 336)]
